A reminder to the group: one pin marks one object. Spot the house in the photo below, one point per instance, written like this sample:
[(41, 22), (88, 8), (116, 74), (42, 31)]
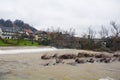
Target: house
[(28, 34), (41, 35), (8, 32)]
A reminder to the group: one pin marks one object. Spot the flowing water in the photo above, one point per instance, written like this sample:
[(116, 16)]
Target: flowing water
[(29, 50)]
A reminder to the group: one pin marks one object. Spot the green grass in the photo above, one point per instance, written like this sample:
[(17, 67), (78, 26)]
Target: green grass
[(10, 42), (3, 43), (27, 43)]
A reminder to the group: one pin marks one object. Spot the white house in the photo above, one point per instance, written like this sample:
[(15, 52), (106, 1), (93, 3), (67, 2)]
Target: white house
[(8, 32)]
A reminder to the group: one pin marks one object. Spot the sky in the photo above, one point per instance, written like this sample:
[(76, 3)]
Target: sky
[(66, 14)]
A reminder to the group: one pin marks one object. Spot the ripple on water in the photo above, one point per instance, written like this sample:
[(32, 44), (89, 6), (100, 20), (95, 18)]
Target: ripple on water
[(107, 78)]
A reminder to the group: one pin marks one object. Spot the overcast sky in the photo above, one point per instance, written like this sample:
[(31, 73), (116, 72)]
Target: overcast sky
[(78, 14)]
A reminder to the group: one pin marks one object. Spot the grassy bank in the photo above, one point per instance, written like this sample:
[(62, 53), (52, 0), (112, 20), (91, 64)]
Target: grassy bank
[(10, 42), (3, 43)]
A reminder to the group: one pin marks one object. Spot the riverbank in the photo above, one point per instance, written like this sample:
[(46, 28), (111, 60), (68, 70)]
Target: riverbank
[(20, 50), (31, 67)]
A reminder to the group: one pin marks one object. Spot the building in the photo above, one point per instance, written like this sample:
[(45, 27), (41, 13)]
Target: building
[(41, 35), (8, 32), (28, 34)]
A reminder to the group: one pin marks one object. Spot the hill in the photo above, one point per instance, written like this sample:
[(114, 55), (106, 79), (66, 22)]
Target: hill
[(17, 24)]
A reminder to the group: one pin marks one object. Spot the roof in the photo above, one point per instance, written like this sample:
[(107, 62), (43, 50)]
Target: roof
[(8, 29), (29, 31), (41, 32)]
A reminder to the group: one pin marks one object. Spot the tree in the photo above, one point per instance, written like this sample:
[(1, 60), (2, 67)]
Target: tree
[(104, 32), (91, 33), (115, 29), (116, 36), (87, 41), (60, 38)]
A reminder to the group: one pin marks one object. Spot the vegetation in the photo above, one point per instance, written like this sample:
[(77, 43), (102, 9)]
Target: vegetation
[(62, 39), (109, 38), (3, 43), (27, 43), (10, 42)]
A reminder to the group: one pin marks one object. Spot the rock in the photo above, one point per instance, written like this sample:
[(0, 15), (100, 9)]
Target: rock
[(67, 56), (80, 61), (80, 55), (102, 59), (105, 60), (45, 57), (59, 61), (91, 60), (99, 55), (55, 55), (102, 56), (119, 59), (85, 55), (116, 55)]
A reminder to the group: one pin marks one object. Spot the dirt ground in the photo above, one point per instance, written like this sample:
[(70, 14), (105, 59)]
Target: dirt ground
[(32, 67)]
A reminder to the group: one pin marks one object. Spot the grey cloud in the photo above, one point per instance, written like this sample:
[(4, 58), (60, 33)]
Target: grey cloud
[(65, 13)]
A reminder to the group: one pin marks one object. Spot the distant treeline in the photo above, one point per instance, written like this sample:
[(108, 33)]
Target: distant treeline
[(109, 39)]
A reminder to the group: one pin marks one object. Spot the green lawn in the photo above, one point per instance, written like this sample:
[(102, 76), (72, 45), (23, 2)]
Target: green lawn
[(3, 44), (10, 42), (27, 43)]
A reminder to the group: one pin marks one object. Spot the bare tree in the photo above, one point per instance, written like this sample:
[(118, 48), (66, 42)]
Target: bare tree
[(84, 35), (115, 30), (104, 32), (91, 33), (115, 36)]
